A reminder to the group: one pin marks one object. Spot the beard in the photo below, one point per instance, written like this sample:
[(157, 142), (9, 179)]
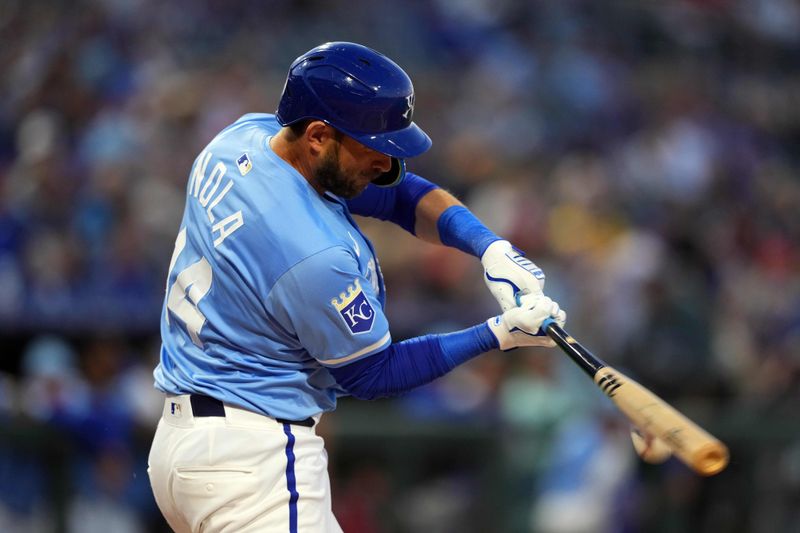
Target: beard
[(330, 177)]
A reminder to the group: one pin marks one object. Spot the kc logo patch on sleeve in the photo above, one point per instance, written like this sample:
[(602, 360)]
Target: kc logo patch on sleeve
[(355, 309)]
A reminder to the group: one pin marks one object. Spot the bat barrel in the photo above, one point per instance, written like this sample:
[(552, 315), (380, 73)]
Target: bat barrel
[(693, 445), (689, 442), (711, 459)]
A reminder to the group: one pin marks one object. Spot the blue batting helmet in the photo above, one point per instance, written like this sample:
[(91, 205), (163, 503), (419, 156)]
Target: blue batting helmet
[(361, 93)]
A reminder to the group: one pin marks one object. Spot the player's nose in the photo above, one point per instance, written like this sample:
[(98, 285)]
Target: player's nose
[(382, 163)]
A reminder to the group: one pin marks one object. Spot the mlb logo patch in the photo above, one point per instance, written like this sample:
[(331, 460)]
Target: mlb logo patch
[(175, 409), (244, 164), (355, 309)]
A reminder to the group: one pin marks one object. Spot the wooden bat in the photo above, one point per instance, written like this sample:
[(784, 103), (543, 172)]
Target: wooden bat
[(702, 452)]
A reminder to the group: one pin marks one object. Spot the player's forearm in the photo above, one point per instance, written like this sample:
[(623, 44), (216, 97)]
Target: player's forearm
[(429, 210), (411, 363), (442, 219)]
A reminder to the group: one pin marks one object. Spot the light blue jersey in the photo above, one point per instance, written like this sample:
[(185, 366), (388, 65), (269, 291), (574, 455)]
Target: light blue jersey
[(269, 283)]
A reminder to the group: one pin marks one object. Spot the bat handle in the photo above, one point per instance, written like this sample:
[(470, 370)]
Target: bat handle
[(583, 357), (546, 323)]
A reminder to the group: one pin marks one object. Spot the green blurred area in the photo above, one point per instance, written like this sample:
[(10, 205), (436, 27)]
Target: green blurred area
[(392, 472)]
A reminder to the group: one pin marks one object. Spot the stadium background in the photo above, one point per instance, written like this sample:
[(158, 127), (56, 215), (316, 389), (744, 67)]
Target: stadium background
[(645, 154)]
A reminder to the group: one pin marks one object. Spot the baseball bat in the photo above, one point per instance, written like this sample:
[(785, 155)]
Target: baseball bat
[(698, 449)]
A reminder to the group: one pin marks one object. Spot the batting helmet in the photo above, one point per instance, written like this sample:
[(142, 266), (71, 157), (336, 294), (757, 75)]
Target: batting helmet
[(361, 93)]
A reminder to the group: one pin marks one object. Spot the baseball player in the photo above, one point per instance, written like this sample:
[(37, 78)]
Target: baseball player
[(274, 301)]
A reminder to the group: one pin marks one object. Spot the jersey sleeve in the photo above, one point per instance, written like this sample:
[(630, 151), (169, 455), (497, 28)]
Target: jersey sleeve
[(396, 204), (375, 202), (331, 308)]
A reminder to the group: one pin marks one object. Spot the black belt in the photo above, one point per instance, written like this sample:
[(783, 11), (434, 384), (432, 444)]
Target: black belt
[(208, 406)]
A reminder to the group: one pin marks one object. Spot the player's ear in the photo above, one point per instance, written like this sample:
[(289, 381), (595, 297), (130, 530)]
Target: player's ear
[(318, 134)]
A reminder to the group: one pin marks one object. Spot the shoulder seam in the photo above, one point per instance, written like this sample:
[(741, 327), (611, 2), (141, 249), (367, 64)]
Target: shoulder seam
[(306, 258)]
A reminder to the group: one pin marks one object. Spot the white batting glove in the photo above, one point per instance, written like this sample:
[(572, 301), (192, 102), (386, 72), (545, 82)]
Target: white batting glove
[(509, 274), (520, 326)]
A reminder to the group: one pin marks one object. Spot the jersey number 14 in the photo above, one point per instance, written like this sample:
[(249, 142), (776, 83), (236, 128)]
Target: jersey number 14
[(190, 286)]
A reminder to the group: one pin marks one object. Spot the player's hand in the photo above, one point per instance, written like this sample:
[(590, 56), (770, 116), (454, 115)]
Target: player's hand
[(509, 274), (520, 326)]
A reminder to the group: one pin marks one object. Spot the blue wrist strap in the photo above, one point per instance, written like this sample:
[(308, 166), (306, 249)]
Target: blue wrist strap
[(406, 365), (459, 228)]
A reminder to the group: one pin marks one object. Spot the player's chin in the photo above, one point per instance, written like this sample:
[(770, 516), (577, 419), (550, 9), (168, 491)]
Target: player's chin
[(356, 191), (360, 186), (350, 191)]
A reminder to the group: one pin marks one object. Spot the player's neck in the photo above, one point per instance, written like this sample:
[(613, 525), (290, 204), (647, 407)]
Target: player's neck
[(292, 152)]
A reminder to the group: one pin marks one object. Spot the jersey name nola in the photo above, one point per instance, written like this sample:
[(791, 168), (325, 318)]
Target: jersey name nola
[(208, 193)]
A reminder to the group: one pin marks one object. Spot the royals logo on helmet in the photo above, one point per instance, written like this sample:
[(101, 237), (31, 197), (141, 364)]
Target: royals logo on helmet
[(355, 309), (410, 103)]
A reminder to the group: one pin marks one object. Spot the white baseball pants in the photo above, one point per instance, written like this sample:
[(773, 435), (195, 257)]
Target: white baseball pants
[(243, 472)]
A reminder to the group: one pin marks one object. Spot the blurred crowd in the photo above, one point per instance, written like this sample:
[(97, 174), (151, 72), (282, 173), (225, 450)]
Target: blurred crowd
[(644, 154)]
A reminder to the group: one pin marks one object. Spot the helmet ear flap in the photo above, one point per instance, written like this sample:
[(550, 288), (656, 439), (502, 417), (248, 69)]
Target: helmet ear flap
[(394, 176)]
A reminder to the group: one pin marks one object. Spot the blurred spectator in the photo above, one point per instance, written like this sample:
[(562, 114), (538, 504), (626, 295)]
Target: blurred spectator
[(589, 468), (105, 507), (52, 386)]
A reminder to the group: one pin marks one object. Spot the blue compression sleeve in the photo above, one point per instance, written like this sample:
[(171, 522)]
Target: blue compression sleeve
[(459, 228), (413, 362), (396, 204)]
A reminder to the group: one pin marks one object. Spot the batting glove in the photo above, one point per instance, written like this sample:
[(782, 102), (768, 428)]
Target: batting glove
[(510, 275), (520, 326)]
